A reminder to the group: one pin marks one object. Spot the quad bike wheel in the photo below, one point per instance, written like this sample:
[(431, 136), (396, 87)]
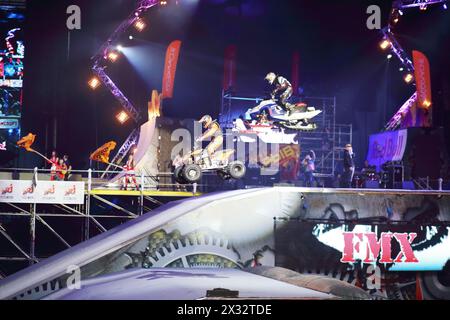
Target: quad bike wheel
[(236, 170), (191, 173), (223, 175), (178, 175)]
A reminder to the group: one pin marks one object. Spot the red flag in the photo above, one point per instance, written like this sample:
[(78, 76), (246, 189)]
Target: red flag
[(170, 68), (229, 73), (295, 71), (423, 82)]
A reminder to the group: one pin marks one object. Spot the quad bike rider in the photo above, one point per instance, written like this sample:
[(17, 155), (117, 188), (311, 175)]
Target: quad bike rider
[(214, 132), (189, 168)]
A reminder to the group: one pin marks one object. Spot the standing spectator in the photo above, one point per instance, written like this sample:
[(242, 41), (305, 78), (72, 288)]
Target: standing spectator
[(57, 170), (310, 167), (54, 158), (61, 170), (68, 166), (349, 166), (130, 175)]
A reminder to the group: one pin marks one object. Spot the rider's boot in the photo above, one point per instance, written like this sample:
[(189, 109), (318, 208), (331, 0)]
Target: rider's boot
[(290, 109)]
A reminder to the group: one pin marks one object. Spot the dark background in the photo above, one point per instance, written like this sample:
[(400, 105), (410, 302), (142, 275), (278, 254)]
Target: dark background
[(339, 57)]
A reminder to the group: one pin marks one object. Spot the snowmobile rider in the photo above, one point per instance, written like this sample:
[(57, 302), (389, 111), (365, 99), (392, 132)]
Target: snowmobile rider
[(214, 132), (281, 84)]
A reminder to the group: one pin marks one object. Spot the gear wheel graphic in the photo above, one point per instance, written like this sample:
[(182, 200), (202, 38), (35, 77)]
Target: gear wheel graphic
[(201, 249)]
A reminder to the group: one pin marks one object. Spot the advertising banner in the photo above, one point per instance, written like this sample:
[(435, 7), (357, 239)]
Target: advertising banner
[(170, 69), (9, 123), (43, 192), (386, 146), (423, 82)]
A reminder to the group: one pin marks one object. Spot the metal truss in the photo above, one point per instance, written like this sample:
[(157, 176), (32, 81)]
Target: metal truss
[(100, 70), (396, 48), (99, 58), (404, 4), (143, 6), (116, 92), (396, 121)]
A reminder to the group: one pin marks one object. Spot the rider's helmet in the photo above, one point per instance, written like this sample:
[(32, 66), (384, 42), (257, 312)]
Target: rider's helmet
[(271, 76), (206, 120)]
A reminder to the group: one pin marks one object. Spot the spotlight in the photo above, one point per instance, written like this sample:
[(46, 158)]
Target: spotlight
[(163, 2), (113, 56), (401, 69), (131, 37), (400, 12), (423, 7), (94, 83), (426, 104), (384, 44), (444, 6), (408, 78), (140, 25), (119, 48), (389, 56), (122, 117)]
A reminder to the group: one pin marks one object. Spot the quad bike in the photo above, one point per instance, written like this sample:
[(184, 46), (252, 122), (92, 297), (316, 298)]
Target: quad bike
[(270, 113), (194, 164)]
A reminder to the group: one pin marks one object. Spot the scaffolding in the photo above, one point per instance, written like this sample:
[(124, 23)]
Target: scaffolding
[(54, 227), (327, 141)]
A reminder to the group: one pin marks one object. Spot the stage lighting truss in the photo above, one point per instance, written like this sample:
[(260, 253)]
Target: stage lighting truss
[(397, 119), (389, 41), (105, 50), (396, 48), (422, 4), (117, 93)]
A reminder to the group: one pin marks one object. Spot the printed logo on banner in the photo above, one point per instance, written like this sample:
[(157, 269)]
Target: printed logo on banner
[(50, 190), (8, 189), (29, 190), (61, 192), (381, 250), (71, 191), (387, 146), (9, 123)]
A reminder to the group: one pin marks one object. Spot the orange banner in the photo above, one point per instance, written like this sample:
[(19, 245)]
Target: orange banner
[(102, 153), (170, 68), (423, 82)]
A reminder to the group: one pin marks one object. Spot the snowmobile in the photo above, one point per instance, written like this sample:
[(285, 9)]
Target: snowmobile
[(269, 113), (195, 163)]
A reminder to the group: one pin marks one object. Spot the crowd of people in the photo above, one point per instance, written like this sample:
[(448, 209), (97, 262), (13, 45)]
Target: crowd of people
[(60, 167), (348, 166)]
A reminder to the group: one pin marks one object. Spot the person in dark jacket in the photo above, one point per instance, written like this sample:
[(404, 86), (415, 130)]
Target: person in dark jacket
[(349, 166)]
